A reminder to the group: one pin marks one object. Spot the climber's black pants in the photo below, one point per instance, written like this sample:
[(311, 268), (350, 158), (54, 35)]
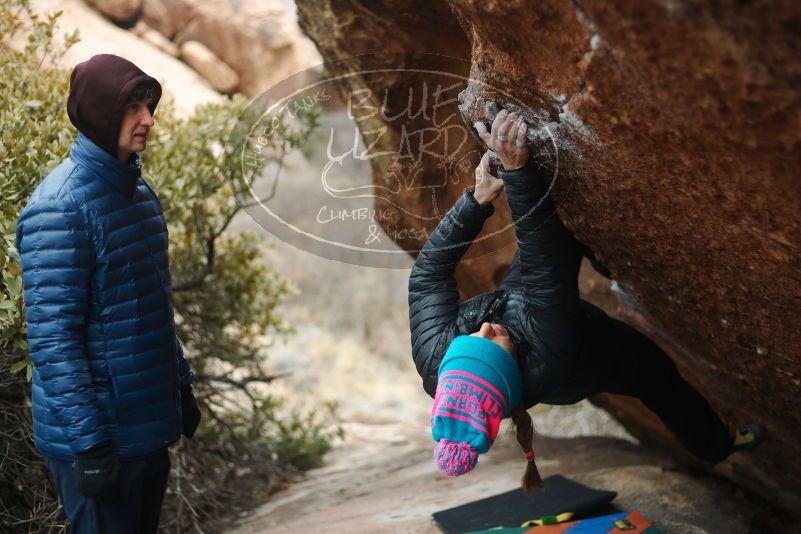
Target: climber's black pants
[(617, 358), (627, 362)]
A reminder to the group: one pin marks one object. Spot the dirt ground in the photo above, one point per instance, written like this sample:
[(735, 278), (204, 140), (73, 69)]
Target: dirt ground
[(383, 479)]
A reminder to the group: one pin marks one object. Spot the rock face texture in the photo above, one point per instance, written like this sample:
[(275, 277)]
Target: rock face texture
[(674, 130)]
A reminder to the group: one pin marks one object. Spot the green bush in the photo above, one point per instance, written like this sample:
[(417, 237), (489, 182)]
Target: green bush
[(226, 298)]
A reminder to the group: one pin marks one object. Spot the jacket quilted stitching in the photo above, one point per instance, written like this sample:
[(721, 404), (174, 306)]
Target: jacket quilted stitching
[(101, 333)]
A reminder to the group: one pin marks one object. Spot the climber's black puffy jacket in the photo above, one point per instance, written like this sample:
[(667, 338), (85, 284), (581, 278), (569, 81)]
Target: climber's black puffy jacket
[(544, 315)]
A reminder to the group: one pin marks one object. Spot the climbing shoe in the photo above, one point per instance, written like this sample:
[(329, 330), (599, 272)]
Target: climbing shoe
[(746, 436)]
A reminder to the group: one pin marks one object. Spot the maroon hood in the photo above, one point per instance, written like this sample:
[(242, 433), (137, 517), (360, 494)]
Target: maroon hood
[(99, 88)]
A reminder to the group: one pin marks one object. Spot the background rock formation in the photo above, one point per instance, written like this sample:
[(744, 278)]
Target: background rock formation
[(677, 125), (257, 39)]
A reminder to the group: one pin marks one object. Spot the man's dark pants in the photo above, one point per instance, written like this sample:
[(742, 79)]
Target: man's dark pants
[(136, 510), (623, 361)]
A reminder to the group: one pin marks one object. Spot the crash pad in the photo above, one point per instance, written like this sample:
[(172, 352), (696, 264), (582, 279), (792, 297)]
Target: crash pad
[(513, 508)]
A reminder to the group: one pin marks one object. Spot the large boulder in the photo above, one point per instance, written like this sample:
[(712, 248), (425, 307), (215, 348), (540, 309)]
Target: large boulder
[(676, 129)]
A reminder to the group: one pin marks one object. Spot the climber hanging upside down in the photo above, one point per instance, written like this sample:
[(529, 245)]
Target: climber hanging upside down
[(533, 340)]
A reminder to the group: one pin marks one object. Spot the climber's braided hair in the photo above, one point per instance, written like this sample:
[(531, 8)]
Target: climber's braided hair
[(525, 437)]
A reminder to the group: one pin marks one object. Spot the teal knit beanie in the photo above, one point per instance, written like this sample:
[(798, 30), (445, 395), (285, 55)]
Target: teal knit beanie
[(478, 384)]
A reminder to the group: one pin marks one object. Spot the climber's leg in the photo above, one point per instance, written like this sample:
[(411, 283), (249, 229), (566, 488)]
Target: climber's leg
[(639, 368)]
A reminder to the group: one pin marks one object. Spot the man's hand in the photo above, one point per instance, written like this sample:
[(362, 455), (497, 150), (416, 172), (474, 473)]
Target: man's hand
[(190, 413), (488, 186), (507, 139), (97, 472)]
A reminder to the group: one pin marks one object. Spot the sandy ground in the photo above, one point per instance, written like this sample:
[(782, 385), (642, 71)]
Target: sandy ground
[(383, 479)]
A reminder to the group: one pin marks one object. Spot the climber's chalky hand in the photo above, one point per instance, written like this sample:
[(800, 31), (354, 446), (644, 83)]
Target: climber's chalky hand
[(506, 139)]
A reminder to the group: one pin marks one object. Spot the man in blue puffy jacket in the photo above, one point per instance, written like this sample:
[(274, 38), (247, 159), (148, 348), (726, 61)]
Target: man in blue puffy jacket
[(111, 388)]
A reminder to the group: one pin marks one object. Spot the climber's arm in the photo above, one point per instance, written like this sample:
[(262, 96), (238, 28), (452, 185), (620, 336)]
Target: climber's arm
[(433, 297), (549, 258)]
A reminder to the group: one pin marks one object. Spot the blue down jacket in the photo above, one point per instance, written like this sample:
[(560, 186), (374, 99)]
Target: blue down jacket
[(101, 334)]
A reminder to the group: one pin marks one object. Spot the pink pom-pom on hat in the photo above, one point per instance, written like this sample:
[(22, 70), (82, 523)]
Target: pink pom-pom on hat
[(454, 459)]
